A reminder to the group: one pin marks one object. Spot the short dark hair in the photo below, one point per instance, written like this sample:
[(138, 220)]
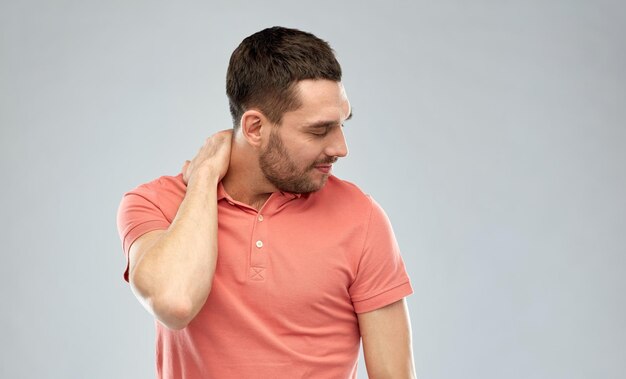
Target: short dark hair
[(265, 68)]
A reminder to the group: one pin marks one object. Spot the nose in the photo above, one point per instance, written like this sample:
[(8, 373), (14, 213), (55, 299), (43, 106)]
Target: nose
[(337, 146)]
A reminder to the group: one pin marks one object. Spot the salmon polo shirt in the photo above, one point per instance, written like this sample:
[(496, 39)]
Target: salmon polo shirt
[(289, 282)]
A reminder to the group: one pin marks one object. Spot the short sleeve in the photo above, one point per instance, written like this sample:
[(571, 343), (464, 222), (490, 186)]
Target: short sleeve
[(149, 207), (381, 277)]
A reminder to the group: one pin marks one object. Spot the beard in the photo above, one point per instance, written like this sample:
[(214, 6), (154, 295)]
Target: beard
[(280, 170)]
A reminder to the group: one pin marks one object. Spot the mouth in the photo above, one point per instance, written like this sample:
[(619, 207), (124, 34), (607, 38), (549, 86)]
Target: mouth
[(324, 168)]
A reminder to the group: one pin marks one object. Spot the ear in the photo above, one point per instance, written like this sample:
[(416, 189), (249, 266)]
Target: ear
[(254, 125)]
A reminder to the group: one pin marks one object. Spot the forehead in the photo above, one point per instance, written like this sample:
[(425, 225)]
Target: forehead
[(321, 100)]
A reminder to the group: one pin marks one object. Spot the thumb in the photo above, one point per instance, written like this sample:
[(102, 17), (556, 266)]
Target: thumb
[(184, 171)]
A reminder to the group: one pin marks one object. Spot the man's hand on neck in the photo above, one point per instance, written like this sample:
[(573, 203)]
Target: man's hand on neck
[(211, 163)]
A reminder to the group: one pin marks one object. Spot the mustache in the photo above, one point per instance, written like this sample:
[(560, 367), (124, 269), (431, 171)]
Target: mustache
[(329, 160)]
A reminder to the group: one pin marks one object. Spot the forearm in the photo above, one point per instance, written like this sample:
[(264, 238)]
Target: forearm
[(173, 275), (386, 334)]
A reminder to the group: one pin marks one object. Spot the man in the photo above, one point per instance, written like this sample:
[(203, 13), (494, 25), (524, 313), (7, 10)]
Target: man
[(255, 260)]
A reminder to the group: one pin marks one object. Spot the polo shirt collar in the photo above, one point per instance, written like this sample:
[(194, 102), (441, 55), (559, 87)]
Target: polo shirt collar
[(291, 195), (223, 195)]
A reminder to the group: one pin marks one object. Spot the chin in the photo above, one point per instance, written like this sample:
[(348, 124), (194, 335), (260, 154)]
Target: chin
[(319, 185), (303, 188)]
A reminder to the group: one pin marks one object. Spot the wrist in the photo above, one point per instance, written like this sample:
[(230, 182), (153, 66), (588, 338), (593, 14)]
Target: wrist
[(203, 180)]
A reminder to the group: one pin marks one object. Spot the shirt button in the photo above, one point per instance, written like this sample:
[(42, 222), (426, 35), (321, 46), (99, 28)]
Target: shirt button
[(260, 218), (259, 244)]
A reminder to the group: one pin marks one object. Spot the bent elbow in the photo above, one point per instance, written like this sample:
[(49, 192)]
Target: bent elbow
[(175, 315), (173, 307), (176, 312)]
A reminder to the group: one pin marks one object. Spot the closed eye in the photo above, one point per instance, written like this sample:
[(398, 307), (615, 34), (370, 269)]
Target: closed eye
[(320, 134)]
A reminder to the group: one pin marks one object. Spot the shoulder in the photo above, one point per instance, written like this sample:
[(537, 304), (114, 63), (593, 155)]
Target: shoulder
[(163, 187), (344, 194), (164, 193), (347, 197), (336, 184)]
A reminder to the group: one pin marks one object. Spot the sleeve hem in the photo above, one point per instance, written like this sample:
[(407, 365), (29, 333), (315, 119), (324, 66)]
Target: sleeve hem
[(140, 230), (137, 232), (378, 301)]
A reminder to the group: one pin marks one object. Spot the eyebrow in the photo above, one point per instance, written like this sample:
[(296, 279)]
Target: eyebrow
[(326, 124)]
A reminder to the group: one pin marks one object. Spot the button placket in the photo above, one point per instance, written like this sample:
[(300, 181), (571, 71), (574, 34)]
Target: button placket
[(259, 249)]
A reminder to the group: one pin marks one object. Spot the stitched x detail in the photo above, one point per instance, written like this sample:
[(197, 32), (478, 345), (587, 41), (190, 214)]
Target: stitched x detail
[(256, 273)]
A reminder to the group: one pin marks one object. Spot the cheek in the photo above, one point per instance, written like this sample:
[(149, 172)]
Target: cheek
[(308, 159), (305, 154)]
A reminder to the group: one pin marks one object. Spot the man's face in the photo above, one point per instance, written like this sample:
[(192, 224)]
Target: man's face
[(299, 153)]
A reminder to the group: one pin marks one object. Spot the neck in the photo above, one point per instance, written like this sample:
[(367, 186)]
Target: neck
[(244, 180)]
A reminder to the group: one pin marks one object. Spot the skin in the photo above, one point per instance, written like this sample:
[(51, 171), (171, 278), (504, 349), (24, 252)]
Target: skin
[(171, 271), (387, 345), (268, 157), (171, 288)]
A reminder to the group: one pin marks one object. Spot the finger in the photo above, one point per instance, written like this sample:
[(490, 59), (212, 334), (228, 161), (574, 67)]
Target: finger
[(226, 133), (185, 165), (184, 171)]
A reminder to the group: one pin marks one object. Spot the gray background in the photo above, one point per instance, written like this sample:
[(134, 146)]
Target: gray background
[(491, 132)]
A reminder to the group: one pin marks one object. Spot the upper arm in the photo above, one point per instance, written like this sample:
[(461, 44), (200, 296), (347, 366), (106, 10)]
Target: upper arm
[(381, 276), (141, 212), (386, 334), (139, 248)]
